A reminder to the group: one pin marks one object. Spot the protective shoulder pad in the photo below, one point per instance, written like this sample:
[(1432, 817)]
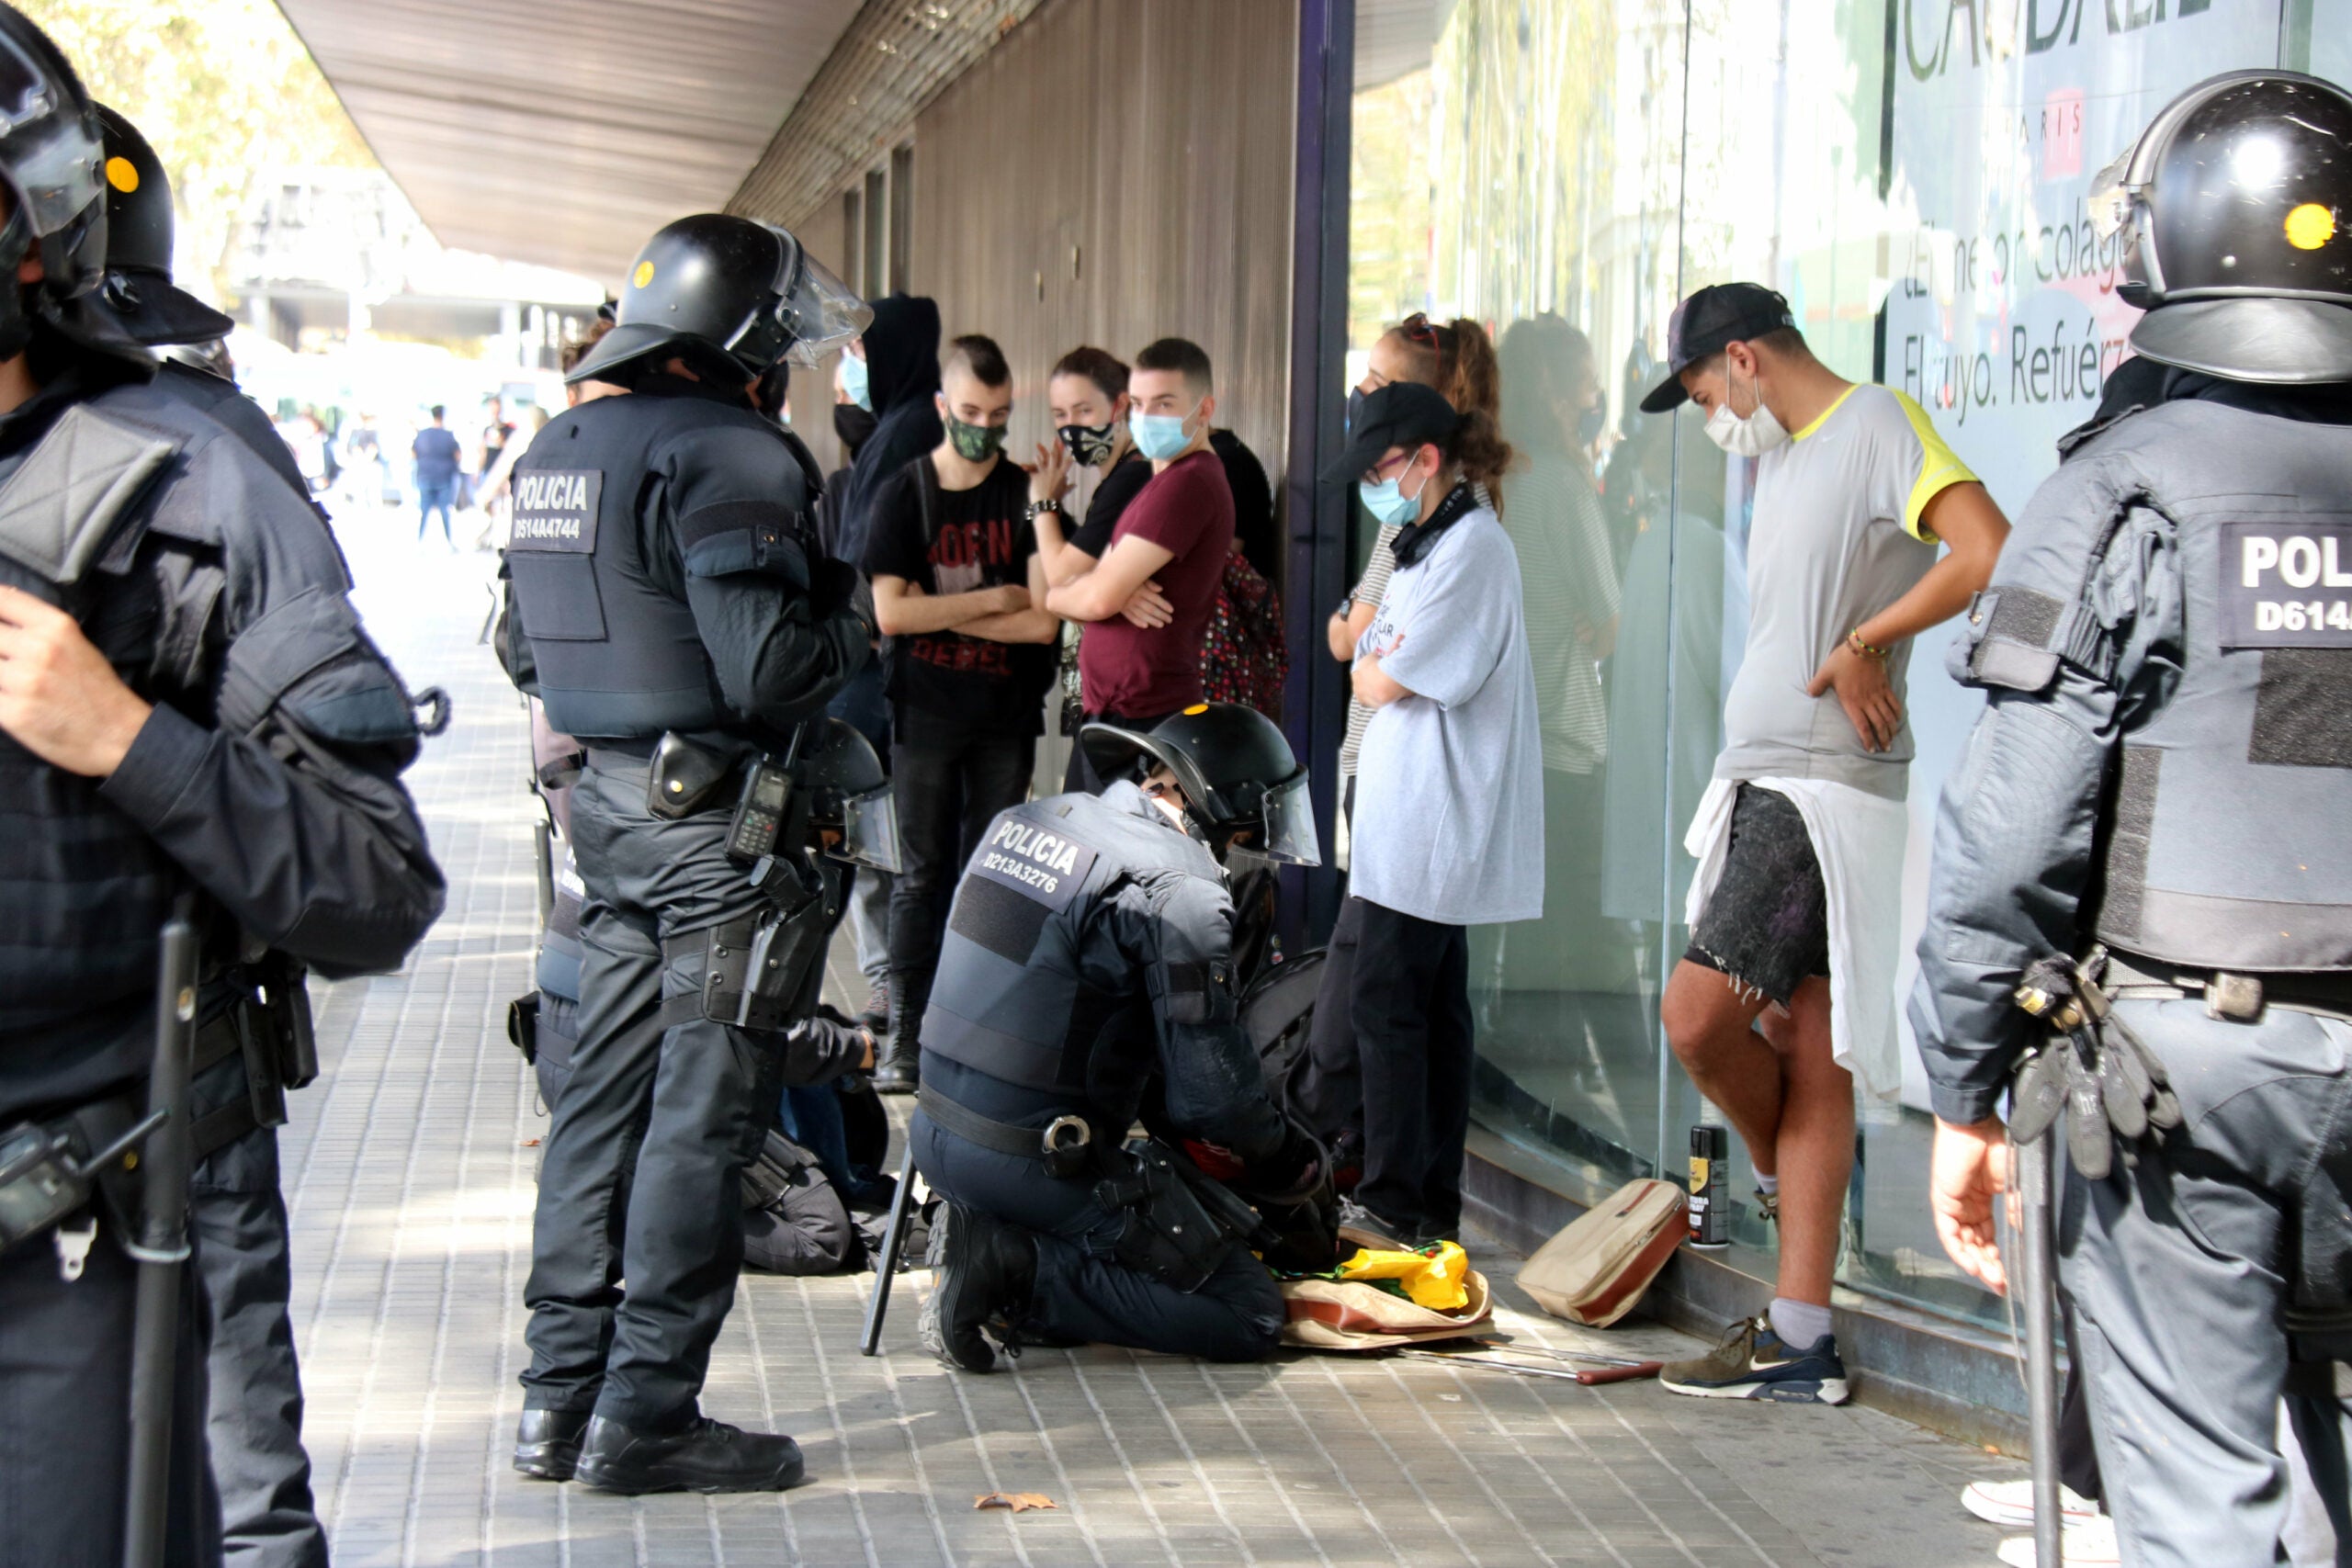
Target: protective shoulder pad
[(2034, 614), (59, 507), (730, 537)]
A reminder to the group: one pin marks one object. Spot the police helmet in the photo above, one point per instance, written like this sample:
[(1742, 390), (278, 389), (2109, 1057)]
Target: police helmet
[(1236, 769), (50, 153), (729, 296), (849, 798), (2236, 206), (138, 288)]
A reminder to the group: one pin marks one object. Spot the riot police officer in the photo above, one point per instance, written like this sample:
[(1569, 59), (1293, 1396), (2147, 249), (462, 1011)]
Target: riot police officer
[(188, 708), (2158, 791), (675, 618), (1086, 978), (139, 293), (254, 1428)]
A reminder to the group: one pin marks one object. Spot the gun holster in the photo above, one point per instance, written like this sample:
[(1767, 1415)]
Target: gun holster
[(683, 775), (755, 967), (1173, 1230)]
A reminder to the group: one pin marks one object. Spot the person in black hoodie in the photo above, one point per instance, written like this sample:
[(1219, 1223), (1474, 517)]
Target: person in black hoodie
[(900, 347)]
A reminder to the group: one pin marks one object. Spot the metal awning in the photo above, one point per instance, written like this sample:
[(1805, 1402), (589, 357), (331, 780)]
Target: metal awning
[(565, 134)]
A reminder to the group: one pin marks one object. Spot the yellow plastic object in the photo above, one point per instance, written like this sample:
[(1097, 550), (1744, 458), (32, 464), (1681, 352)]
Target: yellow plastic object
[(1432, 1279)]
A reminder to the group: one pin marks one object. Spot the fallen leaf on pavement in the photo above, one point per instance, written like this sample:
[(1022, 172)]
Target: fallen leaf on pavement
[(530, 1143), (1018, 1502)]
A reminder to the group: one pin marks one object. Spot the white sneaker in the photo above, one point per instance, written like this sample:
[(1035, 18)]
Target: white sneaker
[(2088, 1545), (2009, 1504)]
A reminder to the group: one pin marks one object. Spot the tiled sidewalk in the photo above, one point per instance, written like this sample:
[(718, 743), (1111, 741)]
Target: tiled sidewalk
[(409, 1169)]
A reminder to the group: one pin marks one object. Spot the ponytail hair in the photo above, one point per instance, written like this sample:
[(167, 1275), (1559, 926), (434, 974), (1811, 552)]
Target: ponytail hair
[(1457, 359), (1478, 452)]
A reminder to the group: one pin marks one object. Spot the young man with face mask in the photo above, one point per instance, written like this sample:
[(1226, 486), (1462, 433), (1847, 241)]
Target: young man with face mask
[(1141, 662), (956, 584), (1796, 911)]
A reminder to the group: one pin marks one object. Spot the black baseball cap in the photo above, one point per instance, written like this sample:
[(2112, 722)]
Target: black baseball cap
[(1700, 325), (1402, 413)]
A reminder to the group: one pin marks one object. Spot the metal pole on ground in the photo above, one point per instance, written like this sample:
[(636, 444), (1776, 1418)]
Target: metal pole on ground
[(894, 1242)]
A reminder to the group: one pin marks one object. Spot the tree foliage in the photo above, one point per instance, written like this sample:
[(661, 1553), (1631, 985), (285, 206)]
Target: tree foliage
[(224, 91)]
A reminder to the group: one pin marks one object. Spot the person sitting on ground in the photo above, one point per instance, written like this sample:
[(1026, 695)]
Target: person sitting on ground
[(1167, 555), (1449, 802)]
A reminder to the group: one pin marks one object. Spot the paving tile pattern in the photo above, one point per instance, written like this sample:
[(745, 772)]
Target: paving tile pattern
[(410, 1168)]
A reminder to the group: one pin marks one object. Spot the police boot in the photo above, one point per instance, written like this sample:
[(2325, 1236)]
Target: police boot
[(986, 1276), (546, 1443), (709, 1456), (900, 1071)]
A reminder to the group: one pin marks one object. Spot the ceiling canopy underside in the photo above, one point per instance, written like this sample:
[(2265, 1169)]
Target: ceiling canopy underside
[(565, 134)]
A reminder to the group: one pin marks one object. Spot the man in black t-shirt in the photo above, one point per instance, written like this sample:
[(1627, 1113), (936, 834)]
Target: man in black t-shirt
[(958, 589)]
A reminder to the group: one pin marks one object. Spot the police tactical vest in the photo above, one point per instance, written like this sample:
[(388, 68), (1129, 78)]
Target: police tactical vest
[(617, 653), (85, 889), (2226, 840), (1029, 989)]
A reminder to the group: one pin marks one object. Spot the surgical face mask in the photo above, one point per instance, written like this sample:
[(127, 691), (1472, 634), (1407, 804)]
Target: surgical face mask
[(1089, 445), (974, 443), (1749, 437), (1388, 503), (855, 382), (1158, 436)]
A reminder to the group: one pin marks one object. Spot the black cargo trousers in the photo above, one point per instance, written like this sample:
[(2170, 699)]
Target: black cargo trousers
[(641, 1179)]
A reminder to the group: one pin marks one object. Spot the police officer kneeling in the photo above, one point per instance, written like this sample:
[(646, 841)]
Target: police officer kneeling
[(1086, 978), (2159, 790), (189, 709), (680, 624)]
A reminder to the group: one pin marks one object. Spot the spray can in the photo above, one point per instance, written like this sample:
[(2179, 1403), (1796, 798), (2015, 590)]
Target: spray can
[(1710, 1162)]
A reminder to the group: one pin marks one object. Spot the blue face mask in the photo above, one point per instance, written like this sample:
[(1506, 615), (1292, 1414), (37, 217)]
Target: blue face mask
[(1158, 436), (1387, 501), (855, 382)]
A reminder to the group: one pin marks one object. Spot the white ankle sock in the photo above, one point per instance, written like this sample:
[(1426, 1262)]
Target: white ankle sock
[(1798, 1324), (1767, 1185)]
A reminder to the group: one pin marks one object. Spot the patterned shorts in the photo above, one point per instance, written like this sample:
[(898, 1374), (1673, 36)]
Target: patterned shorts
[(1767, 924)]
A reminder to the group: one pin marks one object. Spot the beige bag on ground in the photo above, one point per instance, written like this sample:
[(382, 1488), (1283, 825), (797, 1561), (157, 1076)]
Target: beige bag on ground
[(1593, 1271), (1347, 1314)]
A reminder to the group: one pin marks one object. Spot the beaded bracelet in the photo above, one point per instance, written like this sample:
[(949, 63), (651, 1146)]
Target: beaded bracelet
[(1854, 640)]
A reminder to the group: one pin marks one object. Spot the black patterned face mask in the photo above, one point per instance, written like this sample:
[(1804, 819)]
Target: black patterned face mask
[(1089, 445)]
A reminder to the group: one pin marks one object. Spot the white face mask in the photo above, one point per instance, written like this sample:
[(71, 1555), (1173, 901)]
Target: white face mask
[(1749, 437)]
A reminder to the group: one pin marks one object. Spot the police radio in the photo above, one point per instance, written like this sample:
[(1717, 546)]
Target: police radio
[(760, 812)]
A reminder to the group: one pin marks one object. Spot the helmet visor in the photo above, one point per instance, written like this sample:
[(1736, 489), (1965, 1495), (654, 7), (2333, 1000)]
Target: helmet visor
[(870, 830), (2111, 197), (819, 310), (54, 153), (1289, 827)]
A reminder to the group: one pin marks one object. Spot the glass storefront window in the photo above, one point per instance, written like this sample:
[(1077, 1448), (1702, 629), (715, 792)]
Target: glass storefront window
[(1911, 174)]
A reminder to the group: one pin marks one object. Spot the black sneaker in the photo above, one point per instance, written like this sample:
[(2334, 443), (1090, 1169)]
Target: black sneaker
[(1753, 1362), (986, 1273), (710, 1456), (1359, 1226), (546, 1443)]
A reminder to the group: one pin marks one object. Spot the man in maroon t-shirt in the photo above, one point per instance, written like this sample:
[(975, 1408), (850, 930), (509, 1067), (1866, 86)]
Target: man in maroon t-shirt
[(1167, 556)]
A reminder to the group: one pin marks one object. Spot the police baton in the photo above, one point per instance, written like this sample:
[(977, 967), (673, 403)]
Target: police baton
[(894, 1242), (161, 1248), (2030, 1168)]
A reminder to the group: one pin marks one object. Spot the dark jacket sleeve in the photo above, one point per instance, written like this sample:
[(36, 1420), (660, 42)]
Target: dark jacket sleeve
[(283, 801), (2077, 638), (782, 626), (821, 1048), (1178, 930)]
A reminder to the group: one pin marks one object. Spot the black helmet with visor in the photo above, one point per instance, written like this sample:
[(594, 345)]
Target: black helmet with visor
[(51, 156), (2235, 204), (138, 290), (852, 813), (1242, 783), (729, 296)]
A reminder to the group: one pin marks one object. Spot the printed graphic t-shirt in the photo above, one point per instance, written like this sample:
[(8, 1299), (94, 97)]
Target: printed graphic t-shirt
[(1138, 672), (1837, 538), (984, 540)]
